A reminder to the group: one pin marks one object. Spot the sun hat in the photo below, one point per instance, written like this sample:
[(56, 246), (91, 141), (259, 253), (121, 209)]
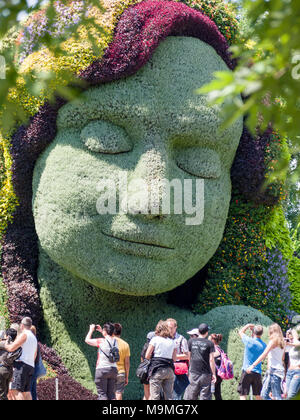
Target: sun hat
[(195, 331)]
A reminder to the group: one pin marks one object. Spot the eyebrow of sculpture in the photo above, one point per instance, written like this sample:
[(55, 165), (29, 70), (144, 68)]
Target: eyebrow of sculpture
[(77, 114), (203, 127)]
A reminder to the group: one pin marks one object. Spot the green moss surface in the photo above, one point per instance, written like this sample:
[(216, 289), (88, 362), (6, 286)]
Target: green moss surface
[(294, 273)]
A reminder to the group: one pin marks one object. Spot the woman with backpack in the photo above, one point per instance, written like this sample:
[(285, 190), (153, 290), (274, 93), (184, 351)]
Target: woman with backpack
[(216, 340), (162, 352), (108, 356)]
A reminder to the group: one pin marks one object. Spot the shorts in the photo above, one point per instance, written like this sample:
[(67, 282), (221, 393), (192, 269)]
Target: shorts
[(22, 376), (120, 386), (249, 380)]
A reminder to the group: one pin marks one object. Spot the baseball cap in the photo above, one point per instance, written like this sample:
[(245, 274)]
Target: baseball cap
[(203, 328), (195, 331)]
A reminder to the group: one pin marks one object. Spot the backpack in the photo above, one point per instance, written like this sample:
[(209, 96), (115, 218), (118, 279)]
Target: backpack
[(142, 371), (113, 355), (225, 371), (10, 357)]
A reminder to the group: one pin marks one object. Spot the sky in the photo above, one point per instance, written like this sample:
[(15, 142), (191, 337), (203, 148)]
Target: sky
[(30, 3)]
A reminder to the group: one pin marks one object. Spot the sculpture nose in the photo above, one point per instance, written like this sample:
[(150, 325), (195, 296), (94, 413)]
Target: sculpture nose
[(145, 182)]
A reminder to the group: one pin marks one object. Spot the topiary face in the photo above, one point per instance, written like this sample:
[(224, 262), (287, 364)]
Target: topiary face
[(150, 125)]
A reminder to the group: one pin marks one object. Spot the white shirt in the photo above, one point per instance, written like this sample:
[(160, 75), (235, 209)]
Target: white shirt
[(102, 359), (163, 347), (275, 358), (29, 349)]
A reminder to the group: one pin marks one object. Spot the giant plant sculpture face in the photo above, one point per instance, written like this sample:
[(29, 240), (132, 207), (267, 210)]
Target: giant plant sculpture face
[(151, 126)]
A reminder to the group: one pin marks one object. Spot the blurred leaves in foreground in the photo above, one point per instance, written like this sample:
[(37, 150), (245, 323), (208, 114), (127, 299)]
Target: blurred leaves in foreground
[(39, 80), (267, 75)]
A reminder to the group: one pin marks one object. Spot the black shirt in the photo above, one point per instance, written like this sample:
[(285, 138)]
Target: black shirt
[(200, 349)]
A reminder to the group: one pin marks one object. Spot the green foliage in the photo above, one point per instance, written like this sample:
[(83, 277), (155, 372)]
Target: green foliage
[(8, 200), (2, 167), (4, 315), (238, 271), (223, 14), (9, 12), (295, 235), (234, 266), (277, 152), (294, 273), (292, 203), (276, 232), (22, 92), (267, 72)]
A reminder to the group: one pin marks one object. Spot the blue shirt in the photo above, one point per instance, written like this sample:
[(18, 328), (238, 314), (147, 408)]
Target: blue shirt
[(254, 347)]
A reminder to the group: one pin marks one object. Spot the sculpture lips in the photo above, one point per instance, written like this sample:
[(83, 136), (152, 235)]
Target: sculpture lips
[(137, 242), (140, 248)]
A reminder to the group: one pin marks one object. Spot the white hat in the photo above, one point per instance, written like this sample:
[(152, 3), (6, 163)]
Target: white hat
[(195, 331)]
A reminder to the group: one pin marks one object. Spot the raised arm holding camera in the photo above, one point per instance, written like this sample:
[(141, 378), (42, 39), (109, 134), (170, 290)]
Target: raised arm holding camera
[(254, 347), (108, 356)]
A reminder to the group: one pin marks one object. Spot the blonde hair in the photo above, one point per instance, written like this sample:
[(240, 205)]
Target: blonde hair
[(33, 329), (276, 335), (162, 329)]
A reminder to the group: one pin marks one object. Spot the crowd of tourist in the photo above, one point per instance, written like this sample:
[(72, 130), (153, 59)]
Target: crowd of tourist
[(173, 368)]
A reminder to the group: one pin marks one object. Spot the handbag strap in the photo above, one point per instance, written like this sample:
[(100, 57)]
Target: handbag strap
[(180, 349), (103, 351), (180, 345)]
